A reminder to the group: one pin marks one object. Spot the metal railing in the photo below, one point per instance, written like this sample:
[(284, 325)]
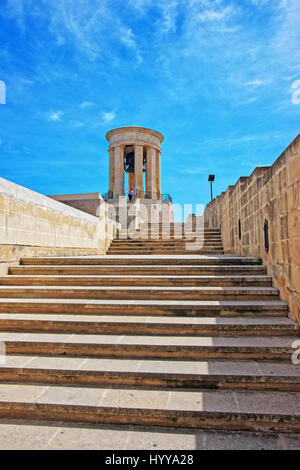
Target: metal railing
[(146, 195)]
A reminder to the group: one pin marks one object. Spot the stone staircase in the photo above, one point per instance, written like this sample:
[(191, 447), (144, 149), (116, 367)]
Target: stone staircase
[(150, 334), (162, 239)]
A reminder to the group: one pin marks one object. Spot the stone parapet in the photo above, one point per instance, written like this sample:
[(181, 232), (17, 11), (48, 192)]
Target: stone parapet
[(32, 224)]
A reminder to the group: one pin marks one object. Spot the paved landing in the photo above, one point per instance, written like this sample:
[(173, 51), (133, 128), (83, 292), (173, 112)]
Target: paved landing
[(57, 436)]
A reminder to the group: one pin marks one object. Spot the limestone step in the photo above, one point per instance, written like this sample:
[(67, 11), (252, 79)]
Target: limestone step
[(164, 246), (156, 251), (213, 374), (194, 308), (174, 224), (176, 260), (166, 228), (132, 280), (174, 242), (136, 292), (151, 333), (180, 229), (152, 242), (171, 226), (278, 348), (113, 269), (135, 325), (220, 409), (153, 237), (58, 436)]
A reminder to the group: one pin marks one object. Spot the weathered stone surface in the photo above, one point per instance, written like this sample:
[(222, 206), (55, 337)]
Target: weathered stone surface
[(211, 364), (144, 143), (272, 194), (35, 225)]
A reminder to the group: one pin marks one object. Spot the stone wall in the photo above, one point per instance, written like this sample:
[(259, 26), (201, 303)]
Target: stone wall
[(88, 202), (32, 224), (271, 195)]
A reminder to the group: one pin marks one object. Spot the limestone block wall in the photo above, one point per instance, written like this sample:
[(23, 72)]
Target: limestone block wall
[(270, 195), (88, 202), (32, 224)]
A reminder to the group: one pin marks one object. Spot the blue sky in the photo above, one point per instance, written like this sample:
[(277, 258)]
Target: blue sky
[(220, 79)]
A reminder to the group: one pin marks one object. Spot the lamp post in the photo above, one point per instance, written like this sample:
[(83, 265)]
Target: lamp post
[(211, 179)]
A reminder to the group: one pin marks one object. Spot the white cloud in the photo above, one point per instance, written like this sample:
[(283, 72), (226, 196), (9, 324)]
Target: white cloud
[(77, 124), (287, 38), (254, 83), (54, 115), (88, 24), (86, 104), (128, 38), (257, 83), (169, 16), (108, 117), (211, 15), (214, 41), (250, 100), (260, 3)]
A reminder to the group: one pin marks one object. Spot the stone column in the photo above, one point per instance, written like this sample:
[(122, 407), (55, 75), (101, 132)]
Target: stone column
[(158, 183), (111, 172), (151, 173), (138, 170), (119, 172)]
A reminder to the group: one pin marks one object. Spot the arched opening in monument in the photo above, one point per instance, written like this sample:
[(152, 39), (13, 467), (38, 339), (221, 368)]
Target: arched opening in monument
[(129, 167), (144, 169)]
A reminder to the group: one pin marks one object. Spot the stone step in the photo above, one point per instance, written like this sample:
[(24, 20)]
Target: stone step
[(184, 270), (132, 280), (213, 375), (217, 409), (135, 293), (58, 436), (157, 251), (135, 325), (153, 237), (176, 308), (173, 242), (176, 260), (177, 228), (194, 348), (165, 237), (166, 246), (165, 251)]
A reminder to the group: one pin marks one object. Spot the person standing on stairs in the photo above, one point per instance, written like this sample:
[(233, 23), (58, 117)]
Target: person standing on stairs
[(130, 195)]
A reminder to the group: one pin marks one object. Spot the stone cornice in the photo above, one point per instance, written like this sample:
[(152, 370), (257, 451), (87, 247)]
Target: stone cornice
[(143, 130)]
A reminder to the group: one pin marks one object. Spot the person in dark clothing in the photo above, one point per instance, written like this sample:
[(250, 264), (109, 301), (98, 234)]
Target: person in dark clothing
[(130, 195)]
